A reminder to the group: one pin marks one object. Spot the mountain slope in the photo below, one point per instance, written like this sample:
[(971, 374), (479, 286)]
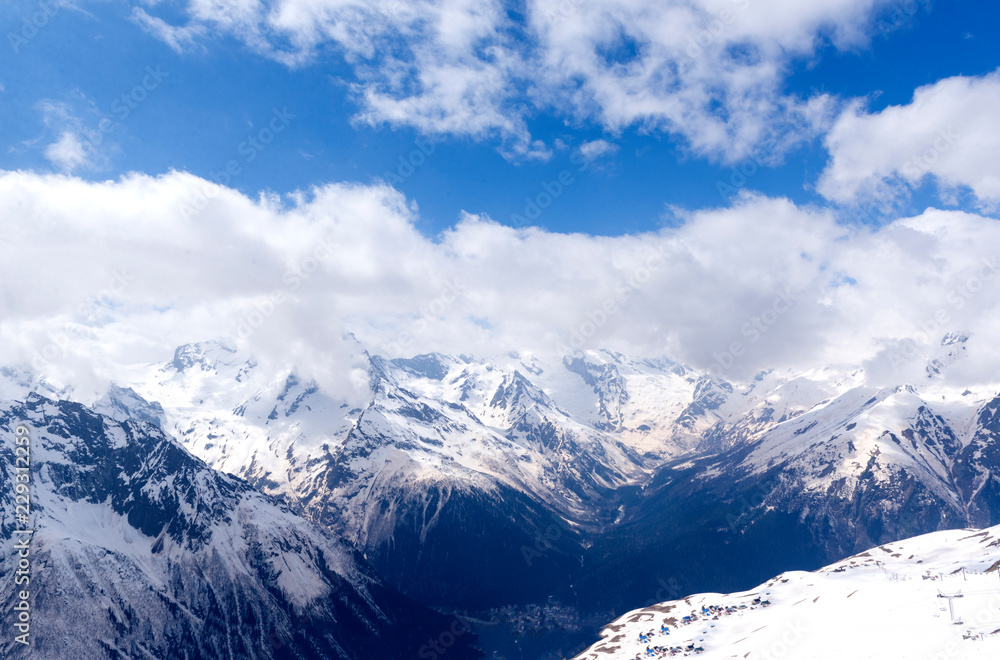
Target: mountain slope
[(477, 483), (884, 603), (853, 472), (584, 445), (446, 458), (142, 551)]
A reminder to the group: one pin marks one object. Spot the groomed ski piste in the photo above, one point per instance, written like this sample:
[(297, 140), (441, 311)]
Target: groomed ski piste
[(889, 603)]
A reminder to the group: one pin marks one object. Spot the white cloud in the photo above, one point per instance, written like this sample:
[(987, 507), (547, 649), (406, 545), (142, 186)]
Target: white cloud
[(114, 272), (597, 149), (180, 39), (950, 131), (709, 71), (68, 152)]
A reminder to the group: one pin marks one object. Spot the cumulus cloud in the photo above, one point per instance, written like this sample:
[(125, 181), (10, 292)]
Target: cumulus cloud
[(102, 274), (596, 149), (709, 71), (68, 152), (75, 137), (950, 132)]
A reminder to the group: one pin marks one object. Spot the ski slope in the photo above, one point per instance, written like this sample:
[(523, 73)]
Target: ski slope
[(882, 604)]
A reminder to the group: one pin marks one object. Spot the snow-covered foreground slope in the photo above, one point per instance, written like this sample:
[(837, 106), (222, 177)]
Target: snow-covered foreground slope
[(884, 604)]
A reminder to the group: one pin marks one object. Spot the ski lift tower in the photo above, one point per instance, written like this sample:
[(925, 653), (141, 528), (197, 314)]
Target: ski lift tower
[(951, 598)]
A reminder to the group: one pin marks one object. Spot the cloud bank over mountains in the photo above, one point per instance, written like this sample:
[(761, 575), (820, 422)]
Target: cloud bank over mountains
[(99, 274), (103, 274)]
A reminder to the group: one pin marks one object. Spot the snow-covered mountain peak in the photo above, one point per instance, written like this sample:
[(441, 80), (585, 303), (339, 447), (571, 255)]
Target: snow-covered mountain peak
[(215, 358), (129, 523), (124, 403), (591, 441), (433, 366), (206, 355)]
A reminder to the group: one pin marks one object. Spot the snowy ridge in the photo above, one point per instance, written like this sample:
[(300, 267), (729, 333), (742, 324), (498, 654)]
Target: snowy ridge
[(880, 604), (578, 447), (444, 418), (560, 432), (130, 529), (925, 450)]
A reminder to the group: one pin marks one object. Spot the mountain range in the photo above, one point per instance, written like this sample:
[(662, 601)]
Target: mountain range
[(140, 550), (588, 483)]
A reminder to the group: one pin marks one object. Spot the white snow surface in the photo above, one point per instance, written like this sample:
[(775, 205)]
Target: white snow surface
[(883, 604)]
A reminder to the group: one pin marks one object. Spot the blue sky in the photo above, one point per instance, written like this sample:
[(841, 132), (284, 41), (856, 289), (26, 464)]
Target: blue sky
[(221, 90), (697, 160)]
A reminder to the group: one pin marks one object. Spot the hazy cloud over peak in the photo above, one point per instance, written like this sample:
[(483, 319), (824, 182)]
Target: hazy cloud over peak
[(119, 271)]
